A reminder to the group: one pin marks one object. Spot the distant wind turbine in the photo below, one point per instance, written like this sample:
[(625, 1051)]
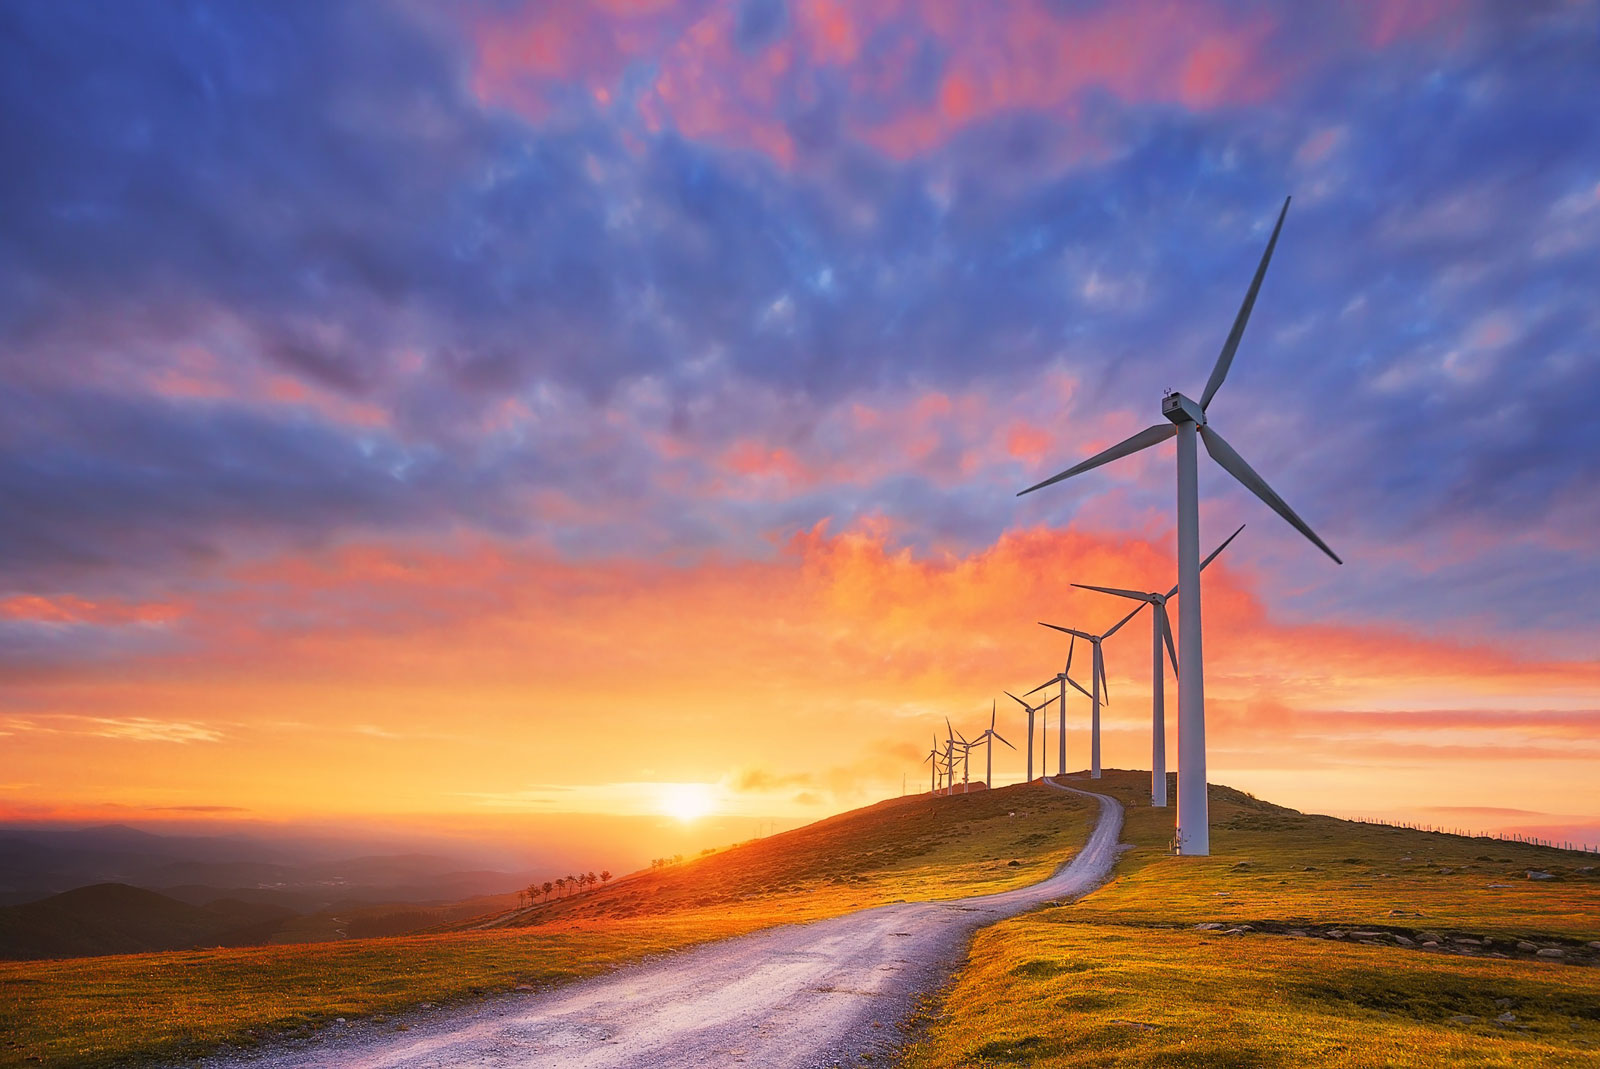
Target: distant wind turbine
[(1187, 421), (932, 760), (1030, 709), (1061, 678), (989, 736), (1097, 680), (1160, 631)]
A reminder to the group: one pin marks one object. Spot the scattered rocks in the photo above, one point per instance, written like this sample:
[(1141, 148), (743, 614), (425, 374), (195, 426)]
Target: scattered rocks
[(1535, 874)]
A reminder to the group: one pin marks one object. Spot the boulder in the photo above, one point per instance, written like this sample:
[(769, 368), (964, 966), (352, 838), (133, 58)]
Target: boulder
[(1535, 874), (1209, 926), (1525, 946), (1552, 952)]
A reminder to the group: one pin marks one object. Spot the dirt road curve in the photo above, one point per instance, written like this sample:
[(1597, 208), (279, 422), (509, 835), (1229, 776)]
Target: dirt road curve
[(816, 994)]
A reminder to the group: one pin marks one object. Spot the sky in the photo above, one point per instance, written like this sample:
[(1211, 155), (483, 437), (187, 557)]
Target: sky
[(490, 411)]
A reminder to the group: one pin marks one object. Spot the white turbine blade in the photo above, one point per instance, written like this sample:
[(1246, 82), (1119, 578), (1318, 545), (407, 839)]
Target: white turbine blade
[(1070, 647), (1105, 684), (1224, 454), (1118, 591), (1114, 628), (1070, 631), (1214, 554), (1166, 633), (1000, 738), (1229, 347), (1146, 438)]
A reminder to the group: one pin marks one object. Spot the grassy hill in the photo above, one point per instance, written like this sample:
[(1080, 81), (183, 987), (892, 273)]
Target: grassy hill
[(113, 918), (110, 1010), (1314, 952)]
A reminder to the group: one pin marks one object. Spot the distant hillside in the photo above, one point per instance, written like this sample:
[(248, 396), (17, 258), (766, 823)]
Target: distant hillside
[(904, 848), (113, 918)]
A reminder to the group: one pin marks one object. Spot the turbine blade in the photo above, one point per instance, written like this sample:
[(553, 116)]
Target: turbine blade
[(1070, 646), (1018, 700), (1047, 683), (1000, 738), (1119, 592), (1105, 684), (1153, 435), (1166, 633), (1229, 347), (1080, 690), (1068, 630), (1214, 554), (1118, 625), (1224, 454)]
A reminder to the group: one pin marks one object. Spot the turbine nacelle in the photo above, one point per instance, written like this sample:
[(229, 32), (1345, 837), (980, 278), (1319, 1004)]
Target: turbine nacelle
[(1179, 409)]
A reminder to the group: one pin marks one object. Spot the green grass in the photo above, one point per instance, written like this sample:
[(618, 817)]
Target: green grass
[(1121, 978), (113, 1010)]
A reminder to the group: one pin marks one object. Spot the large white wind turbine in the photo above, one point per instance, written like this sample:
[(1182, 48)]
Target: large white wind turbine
[(1160, 631), (1187, 421), (989, 736)]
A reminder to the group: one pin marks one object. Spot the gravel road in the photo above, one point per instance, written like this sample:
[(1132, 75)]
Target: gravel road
[(816, 994)]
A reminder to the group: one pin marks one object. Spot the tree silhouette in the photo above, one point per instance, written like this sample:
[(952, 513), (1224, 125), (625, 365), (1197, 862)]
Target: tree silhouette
[(605, 876), (547, 888)]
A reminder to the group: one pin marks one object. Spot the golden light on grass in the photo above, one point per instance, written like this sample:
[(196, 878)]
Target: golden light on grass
[(687, 802)]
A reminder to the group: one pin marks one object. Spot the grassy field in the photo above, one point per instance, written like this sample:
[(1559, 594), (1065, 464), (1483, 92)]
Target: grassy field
[(113, 1010), (1122, 978)]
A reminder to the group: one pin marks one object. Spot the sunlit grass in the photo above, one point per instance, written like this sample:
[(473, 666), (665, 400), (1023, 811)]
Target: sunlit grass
[(1121, 978), (110, 1010)]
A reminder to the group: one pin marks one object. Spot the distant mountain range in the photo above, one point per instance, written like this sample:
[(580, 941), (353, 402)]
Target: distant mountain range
[(116, 889)]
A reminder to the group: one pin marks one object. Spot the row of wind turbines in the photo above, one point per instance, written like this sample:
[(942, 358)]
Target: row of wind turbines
[(1188, 422)]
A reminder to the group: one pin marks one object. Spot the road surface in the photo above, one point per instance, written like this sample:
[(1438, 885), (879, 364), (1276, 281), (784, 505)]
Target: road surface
[(818, 994)]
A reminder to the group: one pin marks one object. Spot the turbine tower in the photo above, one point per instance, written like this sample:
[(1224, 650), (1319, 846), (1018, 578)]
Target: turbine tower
[(1160, 631), (933, 768), (1187, 421)]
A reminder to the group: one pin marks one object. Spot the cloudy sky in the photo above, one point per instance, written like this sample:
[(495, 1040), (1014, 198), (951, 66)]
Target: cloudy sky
[(486, 408)]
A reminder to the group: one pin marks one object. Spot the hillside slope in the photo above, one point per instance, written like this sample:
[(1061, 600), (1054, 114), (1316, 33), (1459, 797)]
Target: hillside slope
[(113, 918), (1303, 940)]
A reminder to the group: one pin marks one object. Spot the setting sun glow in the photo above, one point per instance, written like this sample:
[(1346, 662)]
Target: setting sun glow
[(686, 801)]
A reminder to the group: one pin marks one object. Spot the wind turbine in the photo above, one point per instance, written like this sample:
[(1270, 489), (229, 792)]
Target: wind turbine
[(1031, 709), (1160, 631), (933, 768), (1187, 421), (1097, 677), (990, 736), (1063, 678)]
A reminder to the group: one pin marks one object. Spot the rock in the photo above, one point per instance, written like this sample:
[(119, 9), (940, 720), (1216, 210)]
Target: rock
[(1431, 936), (1335, 933), (1499, 886), (1506, 1018), (1525, 946), (338, 1020), (1466, 940), (1403, 941), (1463, 1018), (1208, 926), (1535, 874), (1012, 864), (1366, 935), (1552, 952), (524, 987), (1296, 931), (1595, 945), (1241, 864), (1431, 943), (1234, 931)]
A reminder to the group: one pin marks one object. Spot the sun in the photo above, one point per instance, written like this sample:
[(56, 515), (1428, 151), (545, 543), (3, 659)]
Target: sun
[(686, 801)]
